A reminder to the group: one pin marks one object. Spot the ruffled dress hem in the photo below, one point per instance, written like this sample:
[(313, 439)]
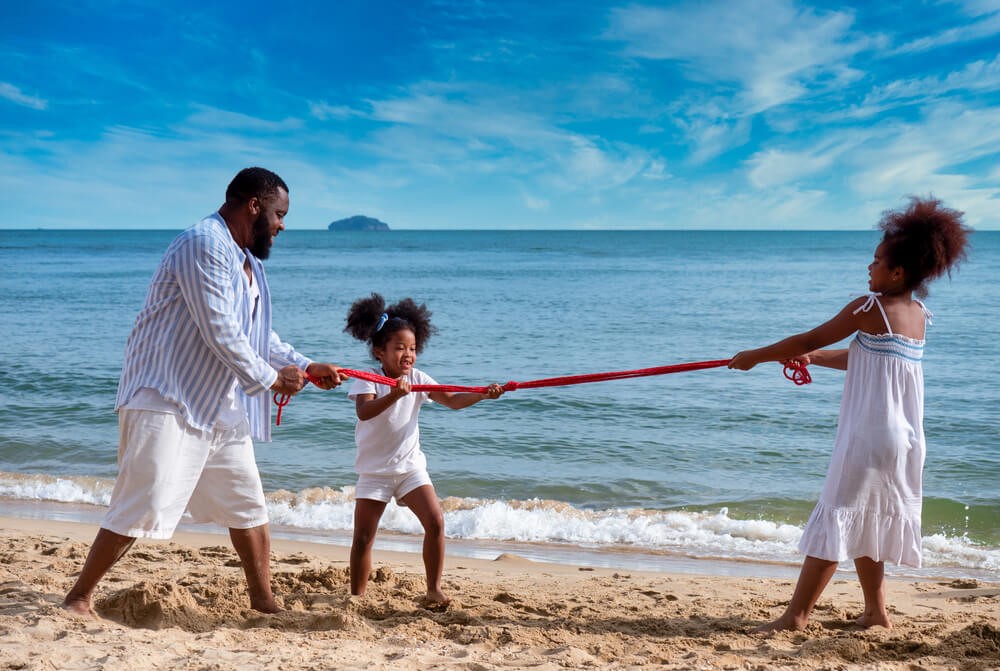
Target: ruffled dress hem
[(839, 534)]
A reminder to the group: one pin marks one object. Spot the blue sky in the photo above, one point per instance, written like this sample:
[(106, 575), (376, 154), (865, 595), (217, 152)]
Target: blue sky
[(438, 115)]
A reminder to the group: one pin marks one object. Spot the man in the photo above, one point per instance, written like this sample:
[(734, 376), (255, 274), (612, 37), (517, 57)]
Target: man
[(194, 391)]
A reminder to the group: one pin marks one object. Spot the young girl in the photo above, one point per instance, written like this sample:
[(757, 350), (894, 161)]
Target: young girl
[(869, 510), (389, 461)]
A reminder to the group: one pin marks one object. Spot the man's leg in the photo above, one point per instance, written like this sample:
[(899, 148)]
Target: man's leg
[(107, 549), (254, 548)]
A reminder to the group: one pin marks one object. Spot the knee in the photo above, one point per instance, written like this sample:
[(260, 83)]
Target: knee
[(364, 538), (434, 525)]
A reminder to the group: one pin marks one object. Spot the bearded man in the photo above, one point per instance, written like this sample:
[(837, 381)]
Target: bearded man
[(194, 391)]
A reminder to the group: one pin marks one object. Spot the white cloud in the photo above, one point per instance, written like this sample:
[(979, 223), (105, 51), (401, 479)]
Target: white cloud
[(979, 7), (15, 95), (713, 136), (215, 118), (461, 132), (325, 111), (535, 203), (976, 76), (929, 157), (987, 25), (772, 50), (772, 167)]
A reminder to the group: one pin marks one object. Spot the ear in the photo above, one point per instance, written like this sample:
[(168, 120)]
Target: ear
[(254, 206)]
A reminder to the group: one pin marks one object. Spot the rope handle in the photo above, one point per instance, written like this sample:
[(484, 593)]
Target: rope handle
[(797, 372), (281, 400), (794, 370)]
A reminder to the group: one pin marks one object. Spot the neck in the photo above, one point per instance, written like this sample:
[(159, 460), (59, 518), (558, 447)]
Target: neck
[(239, 229)]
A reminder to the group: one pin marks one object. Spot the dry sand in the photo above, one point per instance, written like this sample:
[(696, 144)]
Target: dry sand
[(181, 605)]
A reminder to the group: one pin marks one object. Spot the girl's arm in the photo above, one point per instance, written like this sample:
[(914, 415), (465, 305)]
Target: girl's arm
[(830, 358), (842, 325), (368, 406), (457, 401)]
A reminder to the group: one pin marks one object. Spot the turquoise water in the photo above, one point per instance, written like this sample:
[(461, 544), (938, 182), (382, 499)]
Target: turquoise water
[(713, 463)]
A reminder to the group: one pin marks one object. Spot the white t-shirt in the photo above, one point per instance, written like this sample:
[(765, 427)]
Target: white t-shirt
[(389, 443), (232, 411)]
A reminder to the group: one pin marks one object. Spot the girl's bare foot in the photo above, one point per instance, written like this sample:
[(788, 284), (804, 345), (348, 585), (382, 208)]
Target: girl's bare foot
[(268, 606), (784, 623), (435, 600), (867, 620), (80, 608)]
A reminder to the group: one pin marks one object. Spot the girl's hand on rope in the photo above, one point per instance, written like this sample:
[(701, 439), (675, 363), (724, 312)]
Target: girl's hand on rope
[(743, 360), (402, 387), (493, 391), (798, 361)]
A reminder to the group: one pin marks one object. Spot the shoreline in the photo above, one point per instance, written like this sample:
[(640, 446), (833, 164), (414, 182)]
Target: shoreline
[(614, 557), (182, 604)]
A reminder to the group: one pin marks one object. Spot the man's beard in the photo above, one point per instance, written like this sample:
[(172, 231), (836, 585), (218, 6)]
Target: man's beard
[(260, 244)]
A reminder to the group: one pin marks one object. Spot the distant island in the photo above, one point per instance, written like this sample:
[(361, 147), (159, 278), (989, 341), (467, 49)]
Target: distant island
[(358, 223)]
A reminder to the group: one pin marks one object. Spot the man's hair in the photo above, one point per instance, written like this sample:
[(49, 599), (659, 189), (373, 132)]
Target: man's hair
[(253, 182)]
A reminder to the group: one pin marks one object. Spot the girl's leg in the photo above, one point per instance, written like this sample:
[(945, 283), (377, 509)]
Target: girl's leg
[(423, 502), (815, 574), (367, 513), (871, 575)]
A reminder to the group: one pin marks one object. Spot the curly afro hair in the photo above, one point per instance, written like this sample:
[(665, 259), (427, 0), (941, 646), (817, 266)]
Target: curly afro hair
[(365, 315), (926, 239)]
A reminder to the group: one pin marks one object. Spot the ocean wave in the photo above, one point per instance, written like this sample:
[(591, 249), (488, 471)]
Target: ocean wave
[(70, 489), (709, 534)]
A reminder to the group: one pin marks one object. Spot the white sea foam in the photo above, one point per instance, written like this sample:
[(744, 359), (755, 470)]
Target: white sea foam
[(76, 489), (706, 534)]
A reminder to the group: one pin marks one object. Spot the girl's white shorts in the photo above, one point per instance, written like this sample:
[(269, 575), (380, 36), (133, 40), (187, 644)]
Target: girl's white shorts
[(166, 468), (385, 487)]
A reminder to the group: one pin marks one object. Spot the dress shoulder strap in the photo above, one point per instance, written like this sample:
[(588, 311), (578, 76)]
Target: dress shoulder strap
[(873, 300), (928, 315)]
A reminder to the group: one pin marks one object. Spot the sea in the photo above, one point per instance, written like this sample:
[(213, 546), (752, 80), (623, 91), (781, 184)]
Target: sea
[(712, 471)]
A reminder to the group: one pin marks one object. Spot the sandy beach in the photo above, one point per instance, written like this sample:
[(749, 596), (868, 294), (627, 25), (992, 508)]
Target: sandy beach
[(181, 605)]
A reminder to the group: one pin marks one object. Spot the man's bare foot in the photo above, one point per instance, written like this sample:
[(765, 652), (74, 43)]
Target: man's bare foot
[(80, 608), (784, 623), (867, 621)]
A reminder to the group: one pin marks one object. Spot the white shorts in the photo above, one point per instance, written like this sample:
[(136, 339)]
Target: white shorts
[(165, 467), (385, 487)]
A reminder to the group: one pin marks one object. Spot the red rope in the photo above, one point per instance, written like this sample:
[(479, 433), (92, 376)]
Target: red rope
[(794, 371)]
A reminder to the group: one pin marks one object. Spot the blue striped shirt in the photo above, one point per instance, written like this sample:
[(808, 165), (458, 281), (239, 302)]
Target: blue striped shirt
[(197, 333)]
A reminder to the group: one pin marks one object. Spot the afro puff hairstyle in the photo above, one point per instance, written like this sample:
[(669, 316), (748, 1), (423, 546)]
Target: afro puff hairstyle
[(365, 322)]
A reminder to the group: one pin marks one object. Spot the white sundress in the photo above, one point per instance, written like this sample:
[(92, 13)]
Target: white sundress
[(871, 500)]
